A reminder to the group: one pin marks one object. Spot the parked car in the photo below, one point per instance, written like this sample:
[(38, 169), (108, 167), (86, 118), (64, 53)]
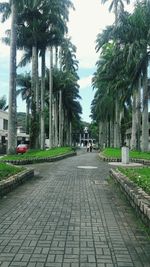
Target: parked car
[(22, 148)]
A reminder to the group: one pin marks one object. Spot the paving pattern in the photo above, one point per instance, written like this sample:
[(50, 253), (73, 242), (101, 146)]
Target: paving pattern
[(70, 215)]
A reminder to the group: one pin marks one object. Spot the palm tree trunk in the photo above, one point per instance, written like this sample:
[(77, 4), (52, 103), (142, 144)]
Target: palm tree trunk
[(12, 123), (60, 118), (56, 57), (50, 97), (101, 134), (111, 133), (133, 134), (27, 116), (70, 133), (56, 120), (37, 101), (53, 121), (138, 115), (62, 127), (117, 124), (42, 135), (145, 129), (33, 130)]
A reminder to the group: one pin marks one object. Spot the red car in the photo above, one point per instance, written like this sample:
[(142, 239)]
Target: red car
[(22, 148)]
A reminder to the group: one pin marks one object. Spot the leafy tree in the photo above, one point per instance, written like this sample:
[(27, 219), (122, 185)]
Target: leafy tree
[(3, 105)]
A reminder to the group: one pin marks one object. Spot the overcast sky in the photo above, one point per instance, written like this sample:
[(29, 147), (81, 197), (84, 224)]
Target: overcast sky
[(88, 19)]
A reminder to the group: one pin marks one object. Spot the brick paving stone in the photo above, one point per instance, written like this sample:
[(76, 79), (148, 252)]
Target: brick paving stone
[(70, 217), (5, 264)]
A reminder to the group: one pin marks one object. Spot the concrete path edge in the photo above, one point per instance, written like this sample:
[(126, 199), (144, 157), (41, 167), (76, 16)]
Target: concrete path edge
[(141, 161), (40, 160), (13, 181)]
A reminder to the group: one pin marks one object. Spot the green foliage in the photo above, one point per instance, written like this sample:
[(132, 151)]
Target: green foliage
[(21, 120), (116, 153), (140, 176), (32, 153), (3, 103), (7, 170), (93, 130)]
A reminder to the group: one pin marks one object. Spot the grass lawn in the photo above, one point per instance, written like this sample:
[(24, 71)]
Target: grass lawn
[(39, 153), (116, 153), (6, 170), (140, 176)]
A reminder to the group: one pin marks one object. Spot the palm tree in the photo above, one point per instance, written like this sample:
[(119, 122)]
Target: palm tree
[(40, 31), (117, 6), (136, 44), (12, 140), (131, 36)]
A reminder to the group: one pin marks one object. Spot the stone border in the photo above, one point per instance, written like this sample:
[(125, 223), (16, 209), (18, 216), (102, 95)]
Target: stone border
[(138, 199), (13, 181), (40, 160), (142, 161)]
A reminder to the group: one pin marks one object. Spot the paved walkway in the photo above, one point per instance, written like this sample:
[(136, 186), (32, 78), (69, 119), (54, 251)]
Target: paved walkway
[(70, 217)]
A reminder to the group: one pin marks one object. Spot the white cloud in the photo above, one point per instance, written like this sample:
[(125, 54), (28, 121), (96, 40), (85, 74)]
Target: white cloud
[(89, 18), (85, 82)]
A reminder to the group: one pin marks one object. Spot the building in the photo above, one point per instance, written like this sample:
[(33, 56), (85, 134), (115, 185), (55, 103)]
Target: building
[(21, 136), (85, 138)]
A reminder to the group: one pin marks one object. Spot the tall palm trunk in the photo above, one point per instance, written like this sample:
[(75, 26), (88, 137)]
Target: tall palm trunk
[(70, 133), (133, 134), (42, 135), (56, 121), (111, 133), (27, 115), (60, 118), (145, 130), (117, 124), (101, 134), (56, 57), (12, 136), (37, 101), (50, 97), (53, 121), (33, 130), (60, 127), (56, 105), (138, 115)]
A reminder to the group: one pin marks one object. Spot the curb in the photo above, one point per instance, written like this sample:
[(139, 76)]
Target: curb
[(13, 181), (142, 161), (40, 160), (138, 199)]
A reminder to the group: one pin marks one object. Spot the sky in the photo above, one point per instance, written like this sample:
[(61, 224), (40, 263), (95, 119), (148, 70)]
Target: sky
[(89, 18)]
